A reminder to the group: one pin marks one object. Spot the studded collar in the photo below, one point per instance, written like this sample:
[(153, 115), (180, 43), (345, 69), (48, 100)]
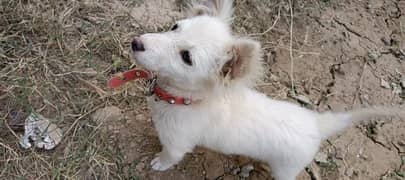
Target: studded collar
[(153, 89)]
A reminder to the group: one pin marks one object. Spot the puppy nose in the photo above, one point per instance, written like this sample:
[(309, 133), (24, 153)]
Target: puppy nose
[(137, 45)]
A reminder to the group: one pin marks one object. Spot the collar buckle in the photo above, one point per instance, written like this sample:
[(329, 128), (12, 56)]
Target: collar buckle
[(151, 84)]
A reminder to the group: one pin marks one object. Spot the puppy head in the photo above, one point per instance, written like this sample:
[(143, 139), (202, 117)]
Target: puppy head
[(200, 52)]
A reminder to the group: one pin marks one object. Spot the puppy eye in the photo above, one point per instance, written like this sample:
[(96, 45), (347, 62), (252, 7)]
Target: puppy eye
[(185, 55), (174, 27)]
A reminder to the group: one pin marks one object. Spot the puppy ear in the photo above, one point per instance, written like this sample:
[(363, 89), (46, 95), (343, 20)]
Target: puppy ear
[(222, 9), (245, 63)]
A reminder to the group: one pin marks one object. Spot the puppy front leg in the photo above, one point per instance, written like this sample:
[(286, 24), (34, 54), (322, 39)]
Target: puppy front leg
[(167, 158)]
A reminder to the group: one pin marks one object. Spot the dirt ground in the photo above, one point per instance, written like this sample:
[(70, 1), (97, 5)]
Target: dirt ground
[(56, 56)]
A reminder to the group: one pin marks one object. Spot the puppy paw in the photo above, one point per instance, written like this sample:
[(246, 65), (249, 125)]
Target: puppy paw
[(159, 165)]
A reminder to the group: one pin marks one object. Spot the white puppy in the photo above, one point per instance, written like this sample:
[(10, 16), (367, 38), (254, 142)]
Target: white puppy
[(201, 59)]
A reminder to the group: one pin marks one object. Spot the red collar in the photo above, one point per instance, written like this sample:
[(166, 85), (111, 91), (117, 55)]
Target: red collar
[(161, 94)]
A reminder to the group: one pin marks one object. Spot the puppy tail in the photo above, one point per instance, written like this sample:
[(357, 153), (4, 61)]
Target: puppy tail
[(331, 123)]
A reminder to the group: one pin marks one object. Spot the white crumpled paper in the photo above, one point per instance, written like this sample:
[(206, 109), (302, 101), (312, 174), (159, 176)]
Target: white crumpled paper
[(40, 132)]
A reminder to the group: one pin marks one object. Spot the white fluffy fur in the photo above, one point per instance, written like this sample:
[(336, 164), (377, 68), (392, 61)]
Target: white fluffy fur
[(228, 115)]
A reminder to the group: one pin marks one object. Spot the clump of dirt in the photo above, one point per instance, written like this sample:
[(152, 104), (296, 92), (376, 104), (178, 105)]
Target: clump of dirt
[(55, 59)]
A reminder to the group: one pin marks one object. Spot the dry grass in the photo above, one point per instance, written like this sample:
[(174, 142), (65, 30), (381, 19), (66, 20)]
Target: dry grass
[(54, 59)]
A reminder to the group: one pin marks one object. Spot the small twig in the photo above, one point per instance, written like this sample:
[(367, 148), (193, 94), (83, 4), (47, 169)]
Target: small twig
[(10, 149), (271, 27), (3, 96), (291, 47), (46, 101), (42, 159), (356, 95), (297, 51), (99, 91), (76, 72), (8, 126), (81, 117)]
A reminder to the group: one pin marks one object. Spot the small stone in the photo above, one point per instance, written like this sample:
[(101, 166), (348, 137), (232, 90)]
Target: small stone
[(373, 55), (140, 166), (107, 114), (402, 51), (235, 171), (386, 41), (365, 157), (396, 88), (274, 78), (349, 172), (245, 171), (265, 167), (385, 84), (140, 117), (366, 97), (321, 157), (395, 38), (144, 159)]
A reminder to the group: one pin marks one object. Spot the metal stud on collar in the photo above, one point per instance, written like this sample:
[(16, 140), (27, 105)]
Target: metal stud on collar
[(171, 101), (187, 101)]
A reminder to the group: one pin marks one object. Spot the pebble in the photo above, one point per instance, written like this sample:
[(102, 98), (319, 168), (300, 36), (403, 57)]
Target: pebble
[(321, 157), (395, 38), (373, 55), (140, 166), (349, 172), (107, 114), (140, 117), (235, 171), (145, 159), (403, 83), (274, 78), (396, 88), (245, 171), (385, 84), (265, 167), (386, 41)]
